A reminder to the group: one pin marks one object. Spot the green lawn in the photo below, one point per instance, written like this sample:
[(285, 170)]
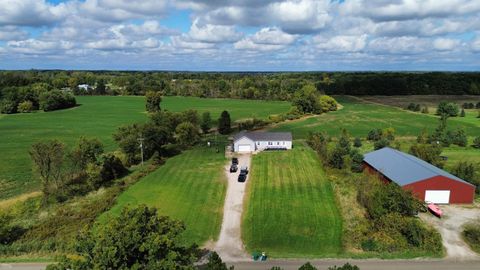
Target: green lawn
[(97, 116), (359, 117), (189, 187), (290, 206)]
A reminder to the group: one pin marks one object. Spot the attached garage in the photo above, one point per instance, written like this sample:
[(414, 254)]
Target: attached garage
[(426, 181), (245, 148)]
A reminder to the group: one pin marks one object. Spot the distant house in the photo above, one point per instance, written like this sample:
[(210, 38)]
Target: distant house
[(426, 181), (259, 141), (84, 87)]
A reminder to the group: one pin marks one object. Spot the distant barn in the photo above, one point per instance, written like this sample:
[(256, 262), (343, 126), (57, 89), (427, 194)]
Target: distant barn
[(426, 181)]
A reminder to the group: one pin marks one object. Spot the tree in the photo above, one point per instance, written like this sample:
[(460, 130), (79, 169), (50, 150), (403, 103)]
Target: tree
[(216, 263), (8, 106), (346, 266), (307, 266), (48, 157), (224, 123), (462, 113), (206, 122), (307, 99), (327, 103), (357, 161), (423, 137), (56, 100), (101, 88), (447, 109), (464, 170), (374, 134), (153, 100), (357, 142), (187, 134), (429, 153), (137, 239), (319, 142), (381, 144), (86, 151)]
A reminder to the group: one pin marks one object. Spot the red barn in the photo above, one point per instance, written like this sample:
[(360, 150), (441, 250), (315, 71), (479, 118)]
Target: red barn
[(426, 181)]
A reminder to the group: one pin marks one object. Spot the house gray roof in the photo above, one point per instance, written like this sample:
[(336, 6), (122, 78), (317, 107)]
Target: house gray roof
[(403, 168), (264, 136)]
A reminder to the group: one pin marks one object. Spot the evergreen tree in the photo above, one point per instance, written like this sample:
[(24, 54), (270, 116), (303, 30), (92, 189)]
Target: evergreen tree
[(224, 123), (206, 122), (462, 113), (153, 101)]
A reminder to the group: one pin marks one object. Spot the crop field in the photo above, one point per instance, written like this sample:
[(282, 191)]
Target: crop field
[(189, 187), (359, 117), (97, 116), (290, 206)]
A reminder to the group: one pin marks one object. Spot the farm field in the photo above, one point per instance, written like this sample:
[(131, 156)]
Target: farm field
[(359, 117), (290, 206), (98, 116), (188, 187)]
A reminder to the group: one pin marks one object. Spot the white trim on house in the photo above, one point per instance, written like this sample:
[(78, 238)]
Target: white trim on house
[(259, 141)]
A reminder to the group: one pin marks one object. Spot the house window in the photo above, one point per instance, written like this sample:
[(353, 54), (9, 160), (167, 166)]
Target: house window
[(278, 143), (258, 143), (283, 143), (270, 143)]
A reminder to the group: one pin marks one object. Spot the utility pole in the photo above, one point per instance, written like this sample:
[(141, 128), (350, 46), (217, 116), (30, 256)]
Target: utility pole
[(141, 139)]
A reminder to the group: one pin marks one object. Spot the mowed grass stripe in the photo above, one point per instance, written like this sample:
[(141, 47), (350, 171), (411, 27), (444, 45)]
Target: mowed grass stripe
[(290, 207), (189, 187)]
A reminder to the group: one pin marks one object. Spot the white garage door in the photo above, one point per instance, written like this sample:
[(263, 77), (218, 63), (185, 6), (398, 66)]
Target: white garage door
[(244, 148), (437, 196)]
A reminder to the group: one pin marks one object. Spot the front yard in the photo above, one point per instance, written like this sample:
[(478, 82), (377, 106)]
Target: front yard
[(290, 206)]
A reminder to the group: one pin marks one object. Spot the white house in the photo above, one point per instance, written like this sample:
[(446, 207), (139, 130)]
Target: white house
[(84, 87), (258, 141)]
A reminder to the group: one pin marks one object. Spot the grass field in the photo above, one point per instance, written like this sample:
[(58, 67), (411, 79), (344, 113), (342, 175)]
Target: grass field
[(290, 206), (359, 117), (189, 187), (99, 117)]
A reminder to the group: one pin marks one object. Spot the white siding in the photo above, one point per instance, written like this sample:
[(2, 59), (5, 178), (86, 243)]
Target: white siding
[(243, 141), (262, 145)]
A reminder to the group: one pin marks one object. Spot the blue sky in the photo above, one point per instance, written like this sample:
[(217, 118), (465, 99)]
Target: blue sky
[(240, 35)]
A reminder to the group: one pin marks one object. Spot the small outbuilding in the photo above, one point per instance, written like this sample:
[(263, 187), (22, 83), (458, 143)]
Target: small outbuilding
[(427, 182), (259, 141)]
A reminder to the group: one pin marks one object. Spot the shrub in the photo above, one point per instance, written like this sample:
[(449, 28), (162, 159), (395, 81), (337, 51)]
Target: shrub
[(153, 100), (307, 266), (346, 266), (381, 144), (471, 234), (374, 134), (447, 109), (8, 107), (55, 100), (425, 110), (476, 142), (462, 113), (25, 107), (429, 153), (357, 142)]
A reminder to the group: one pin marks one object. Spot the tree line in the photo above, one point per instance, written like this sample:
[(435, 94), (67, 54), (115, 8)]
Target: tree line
[(267, 86)]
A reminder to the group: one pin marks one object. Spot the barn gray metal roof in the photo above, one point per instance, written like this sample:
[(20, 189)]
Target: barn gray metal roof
[(264, 136), (403, 168)]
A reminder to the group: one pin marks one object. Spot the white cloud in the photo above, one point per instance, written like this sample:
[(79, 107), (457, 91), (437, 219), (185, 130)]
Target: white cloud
[(399, 45), (30, 12), (341, 43), (445, 44), (213, 33), (12, 33), (267, 39), (475, 45), (398, 10), (33, 46), (184, 43)]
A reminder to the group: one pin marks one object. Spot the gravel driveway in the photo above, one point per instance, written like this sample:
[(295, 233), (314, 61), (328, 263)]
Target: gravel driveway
[(450, 226), (229, 245)]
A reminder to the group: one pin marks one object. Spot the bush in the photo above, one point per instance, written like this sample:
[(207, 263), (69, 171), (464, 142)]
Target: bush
[(357, 142), (471, 234), (476, 142), (25, 107), (374, 134), (447, 109), (381, 144), (429, 153), (8, 107), (307, 266), (56, 100), (346, 266)]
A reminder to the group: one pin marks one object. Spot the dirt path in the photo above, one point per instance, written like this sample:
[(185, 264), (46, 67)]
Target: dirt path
[(229, 245), (450, 227)]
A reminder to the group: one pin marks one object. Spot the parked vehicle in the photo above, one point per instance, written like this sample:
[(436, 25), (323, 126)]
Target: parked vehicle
[(244, 169), (235, 161), (233, 168), (242, 177)]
